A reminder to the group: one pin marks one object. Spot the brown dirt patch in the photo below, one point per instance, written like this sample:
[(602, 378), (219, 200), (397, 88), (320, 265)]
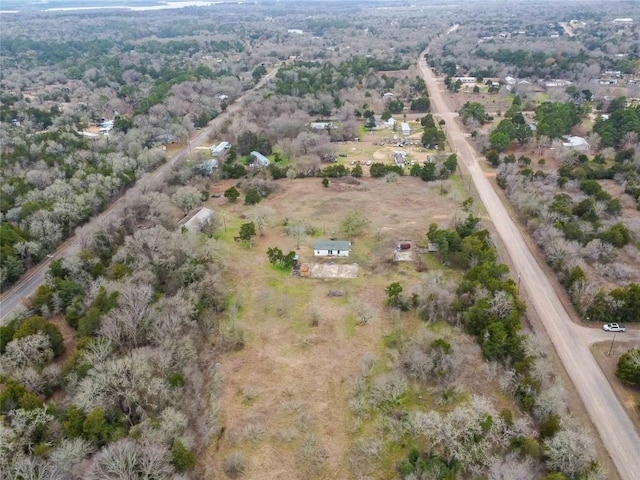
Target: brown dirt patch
[(69, 336)]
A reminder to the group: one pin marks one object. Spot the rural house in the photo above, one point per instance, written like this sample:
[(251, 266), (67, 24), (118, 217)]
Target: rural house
[(578, 144), (331, 248), (218, 149), (193, 223), (206, 168), (259, 160)]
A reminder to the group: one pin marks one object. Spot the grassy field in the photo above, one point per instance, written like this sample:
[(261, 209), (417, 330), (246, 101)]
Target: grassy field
[(285, 403)]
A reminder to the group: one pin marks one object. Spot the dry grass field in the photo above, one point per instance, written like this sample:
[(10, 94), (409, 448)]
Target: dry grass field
[(285, 401)]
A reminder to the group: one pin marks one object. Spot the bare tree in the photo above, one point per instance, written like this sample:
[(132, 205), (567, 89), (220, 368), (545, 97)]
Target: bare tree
[(33, 350), (570, 451), (187, 198), (260, 217), (297, 231), (127, 458), (129, 325)]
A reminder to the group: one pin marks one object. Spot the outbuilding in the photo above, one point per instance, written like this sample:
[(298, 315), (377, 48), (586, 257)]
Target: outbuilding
[(194, 222), (259, 160), (577, 144), (331, 248)]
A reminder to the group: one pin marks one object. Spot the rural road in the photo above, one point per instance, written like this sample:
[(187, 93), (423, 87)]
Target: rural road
[(33, 278), (570, 340)]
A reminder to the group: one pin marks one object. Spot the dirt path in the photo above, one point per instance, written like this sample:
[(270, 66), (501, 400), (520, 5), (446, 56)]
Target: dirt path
[(616, 430)]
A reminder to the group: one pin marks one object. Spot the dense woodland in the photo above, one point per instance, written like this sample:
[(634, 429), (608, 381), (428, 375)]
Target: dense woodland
[(112, 367)]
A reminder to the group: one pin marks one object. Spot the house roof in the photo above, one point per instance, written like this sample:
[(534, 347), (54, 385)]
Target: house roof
[(208, 165), (260, 159), (575, 142), (320, 125), (221, 147), (200, 216), (332, 245)]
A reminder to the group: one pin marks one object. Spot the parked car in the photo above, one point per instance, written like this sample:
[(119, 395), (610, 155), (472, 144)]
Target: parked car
[(216, 195), (614, 327)]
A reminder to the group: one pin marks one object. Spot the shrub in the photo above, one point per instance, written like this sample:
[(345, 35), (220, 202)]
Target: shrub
[(234, 465), (73, 422), (231, 194), (181, 457), (15, 396), (36, 324), (550, 425), (628, 369), (95, 427), (252, 197)]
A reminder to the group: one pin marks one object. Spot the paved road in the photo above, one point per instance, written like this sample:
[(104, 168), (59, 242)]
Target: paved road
[(35, 276), (571, 341)]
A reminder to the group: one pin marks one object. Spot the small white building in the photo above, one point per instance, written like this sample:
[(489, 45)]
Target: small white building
[(465, 79), (320, 125), (259, 160), (218, 149), (578, 144), (557, 83), (406, 129), (206, 168), (193, 224), (623, 21), (331, 248)]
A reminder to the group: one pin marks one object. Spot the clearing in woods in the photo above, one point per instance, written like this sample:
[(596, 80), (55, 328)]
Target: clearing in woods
[(285, 400)]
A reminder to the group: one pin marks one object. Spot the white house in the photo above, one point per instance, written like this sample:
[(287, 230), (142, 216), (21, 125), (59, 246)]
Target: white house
[(465, 79), (320, 125), (259, 160), (578, 144), (106, 127), (406, 129), (218, 149), (557, 83), (331, 248), (207, 167), (193, 224)]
